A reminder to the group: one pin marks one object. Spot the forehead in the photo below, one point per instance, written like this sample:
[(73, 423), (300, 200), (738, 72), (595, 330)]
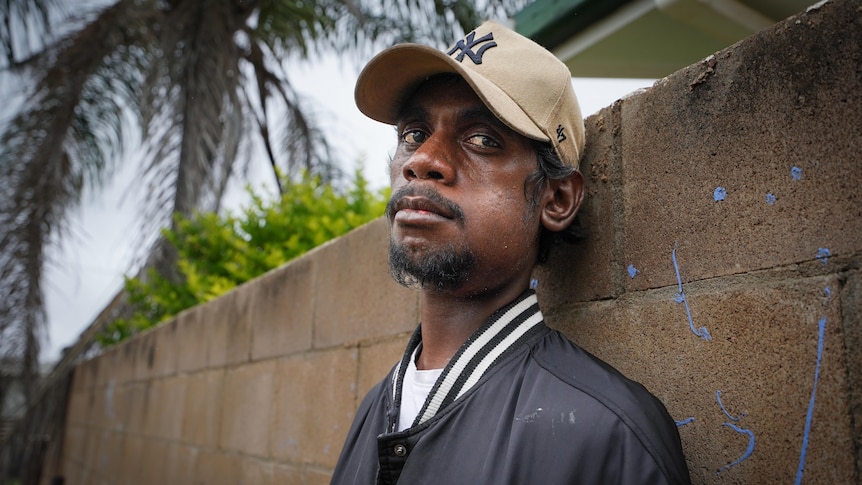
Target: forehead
[(449, 90)]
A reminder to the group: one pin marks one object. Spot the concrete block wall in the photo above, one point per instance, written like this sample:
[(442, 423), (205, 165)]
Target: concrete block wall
[(258, 386), (722, 272)]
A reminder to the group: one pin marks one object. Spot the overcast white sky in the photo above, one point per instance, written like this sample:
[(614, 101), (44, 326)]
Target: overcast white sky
[(88, 266)]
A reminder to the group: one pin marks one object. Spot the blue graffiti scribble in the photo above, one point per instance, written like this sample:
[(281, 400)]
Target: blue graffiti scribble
[(684, 422), (719, 194), (823, 255), (632, 271), (770, 198), (748, 451), (701, 332), (721, 405), (534, 283), (796, 173), (821, 332)]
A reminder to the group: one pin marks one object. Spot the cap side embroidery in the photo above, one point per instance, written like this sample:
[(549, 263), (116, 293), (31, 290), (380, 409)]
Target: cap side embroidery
[(561, 136)]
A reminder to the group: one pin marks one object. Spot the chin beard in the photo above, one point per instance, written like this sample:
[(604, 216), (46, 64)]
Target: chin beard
[(446, 269)]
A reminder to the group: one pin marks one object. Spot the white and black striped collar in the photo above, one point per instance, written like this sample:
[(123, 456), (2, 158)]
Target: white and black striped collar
[(504, 332)]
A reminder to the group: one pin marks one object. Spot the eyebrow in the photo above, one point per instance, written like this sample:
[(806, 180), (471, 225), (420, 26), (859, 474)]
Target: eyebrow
[(475, 113), (411, 112)]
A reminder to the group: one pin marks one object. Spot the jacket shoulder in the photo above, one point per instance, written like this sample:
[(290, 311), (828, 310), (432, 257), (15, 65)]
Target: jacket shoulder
[(635, 407)]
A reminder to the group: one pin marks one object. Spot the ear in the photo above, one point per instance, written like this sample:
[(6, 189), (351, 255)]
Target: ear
[(561, 200)]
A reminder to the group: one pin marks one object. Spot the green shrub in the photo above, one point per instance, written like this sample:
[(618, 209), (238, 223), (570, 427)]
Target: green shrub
[(219, 252)]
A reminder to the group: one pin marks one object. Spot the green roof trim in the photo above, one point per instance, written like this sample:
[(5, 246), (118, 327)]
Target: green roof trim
[(552, 22)]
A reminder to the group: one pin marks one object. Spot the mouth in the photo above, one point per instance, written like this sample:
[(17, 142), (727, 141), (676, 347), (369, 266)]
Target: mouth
[(421, 206), (411, 206)]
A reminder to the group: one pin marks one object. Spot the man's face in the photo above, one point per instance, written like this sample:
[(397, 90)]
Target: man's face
[(459, 213)]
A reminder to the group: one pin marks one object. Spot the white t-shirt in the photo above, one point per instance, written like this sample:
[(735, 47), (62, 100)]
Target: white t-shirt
[(417, 384)]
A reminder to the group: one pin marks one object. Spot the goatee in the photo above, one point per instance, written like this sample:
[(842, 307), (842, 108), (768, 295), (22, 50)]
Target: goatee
[(445, 269)]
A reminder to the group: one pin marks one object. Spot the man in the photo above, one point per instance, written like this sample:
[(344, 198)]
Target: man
[(483, 178)]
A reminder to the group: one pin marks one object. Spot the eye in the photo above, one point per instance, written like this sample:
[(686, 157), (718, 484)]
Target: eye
[(413, 136), (483, 141)]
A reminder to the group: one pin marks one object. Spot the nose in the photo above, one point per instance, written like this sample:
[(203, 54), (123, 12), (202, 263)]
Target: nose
[(431, 161)]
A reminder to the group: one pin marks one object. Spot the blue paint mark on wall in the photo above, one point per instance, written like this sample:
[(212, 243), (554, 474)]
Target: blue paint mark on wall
[(823, 255), (827, 292), (821, 332), (796, 173), (718, 398), (719, 194), (770, 198), (684, 422), (748, 451), (701, 332), (632, 271)]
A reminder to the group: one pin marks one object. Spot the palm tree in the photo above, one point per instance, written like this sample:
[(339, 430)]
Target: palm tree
[(196, 80)]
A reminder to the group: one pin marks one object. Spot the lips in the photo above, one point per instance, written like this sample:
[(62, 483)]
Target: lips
[(421, 204), (411, 205)]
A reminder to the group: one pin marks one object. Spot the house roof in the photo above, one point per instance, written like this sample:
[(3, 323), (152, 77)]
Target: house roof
[(644, 38)]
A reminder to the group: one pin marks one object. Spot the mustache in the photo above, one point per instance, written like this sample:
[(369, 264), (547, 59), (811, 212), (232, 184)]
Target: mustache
[(427, 192)]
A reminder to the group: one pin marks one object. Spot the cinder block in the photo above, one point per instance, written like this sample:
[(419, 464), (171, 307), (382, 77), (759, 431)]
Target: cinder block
[(257, 471), (375, 362), (85, 475), (179, 465), (191, 335), (317, 477), (311, 386), (109, 406), (166, 406), (246, 417), (203, 403), (762, 359), (86, 374), (138, 395), (216, 468), (142, 350), (79, 407), (110, 461), (162, 356), (354, 296), (587, 271), (130, 350), (74, 443), (228, 327), (122, 368), (774, 122), (131, 464), (72, 472), (851, 312), (151, 462), (281, 310), (287, 474), (153, 409)]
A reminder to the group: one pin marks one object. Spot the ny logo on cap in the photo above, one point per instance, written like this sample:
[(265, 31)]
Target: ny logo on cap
[(561, 136), (467, 44)]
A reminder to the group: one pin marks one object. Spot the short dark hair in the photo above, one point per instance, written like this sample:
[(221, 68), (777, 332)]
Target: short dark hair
[(550, 167)]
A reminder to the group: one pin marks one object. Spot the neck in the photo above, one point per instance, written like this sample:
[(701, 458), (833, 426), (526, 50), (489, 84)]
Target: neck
[(448, 321)]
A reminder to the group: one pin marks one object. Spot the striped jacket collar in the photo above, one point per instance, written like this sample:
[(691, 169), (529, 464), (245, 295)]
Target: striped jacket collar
[(500, 335)]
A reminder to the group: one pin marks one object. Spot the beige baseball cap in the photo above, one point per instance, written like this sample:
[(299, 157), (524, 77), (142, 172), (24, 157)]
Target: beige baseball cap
[(521, 82)]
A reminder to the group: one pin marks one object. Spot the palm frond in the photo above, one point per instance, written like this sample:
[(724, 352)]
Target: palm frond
[(22, 23), (62, 139)]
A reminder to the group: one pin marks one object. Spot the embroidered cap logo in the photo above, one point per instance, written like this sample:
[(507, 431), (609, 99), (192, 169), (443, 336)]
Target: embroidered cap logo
[(467, 44), (561, 137)]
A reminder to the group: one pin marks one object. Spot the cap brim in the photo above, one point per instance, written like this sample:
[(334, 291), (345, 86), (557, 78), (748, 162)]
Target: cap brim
[(393, 74)]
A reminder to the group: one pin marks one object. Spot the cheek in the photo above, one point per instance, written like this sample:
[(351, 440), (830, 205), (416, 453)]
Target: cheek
[(395, 168)]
